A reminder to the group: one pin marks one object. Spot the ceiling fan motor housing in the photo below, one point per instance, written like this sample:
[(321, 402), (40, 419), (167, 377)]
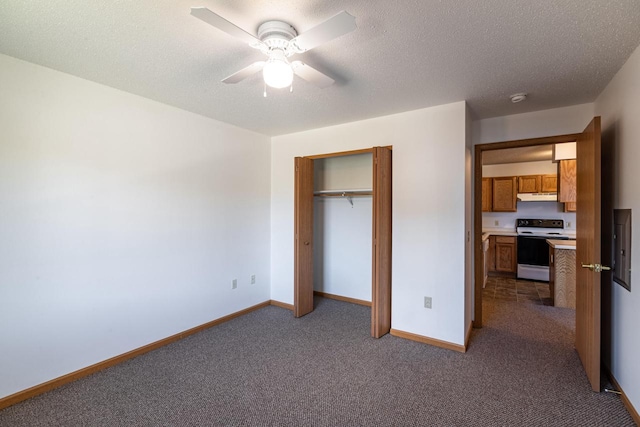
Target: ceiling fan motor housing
[(276, 34)]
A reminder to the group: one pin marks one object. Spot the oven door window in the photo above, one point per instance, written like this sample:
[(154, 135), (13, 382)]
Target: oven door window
[(533, 250)]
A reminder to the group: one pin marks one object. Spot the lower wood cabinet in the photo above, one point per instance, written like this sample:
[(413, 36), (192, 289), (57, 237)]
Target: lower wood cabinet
[(503, 258)]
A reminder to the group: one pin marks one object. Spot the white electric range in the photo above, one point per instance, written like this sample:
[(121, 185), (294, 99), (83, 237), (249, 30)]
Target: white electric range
[(533, 249)]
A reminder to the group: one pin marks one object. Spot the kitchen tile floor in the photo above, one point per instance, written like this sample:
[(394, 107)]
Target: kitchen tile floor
[(525, 291)]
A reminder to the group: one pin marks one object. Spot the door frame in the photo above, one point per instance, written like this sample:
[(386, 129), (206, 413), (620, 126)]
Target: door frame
[(477, 207), (381, 247)]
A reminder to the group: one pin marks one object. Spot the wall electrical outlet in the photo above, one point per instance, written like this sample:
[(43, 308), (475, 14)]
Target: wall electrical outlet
[(496, 223), (427, 302), (234, 283), (253, 279), (569, 224)]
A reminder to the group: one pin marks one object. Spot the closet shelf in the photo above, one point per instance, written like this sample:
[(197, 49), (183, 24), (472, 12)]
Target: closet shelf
[(348, 194), (343, 193)]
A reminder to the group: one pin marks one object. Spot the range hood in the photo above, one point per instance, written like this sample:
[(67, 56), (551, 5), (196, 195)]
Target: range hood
[(538, 197)]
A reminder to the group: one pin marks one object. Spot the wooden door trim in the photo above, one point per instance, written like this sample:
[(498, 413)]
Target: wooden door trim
[(477, 206), (346, 153), (340, 154)]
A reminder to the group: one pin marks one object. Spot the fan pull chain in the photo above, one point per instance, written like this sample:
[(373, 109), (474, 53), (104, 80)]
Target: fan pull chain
[(265, 90), (291, 88)]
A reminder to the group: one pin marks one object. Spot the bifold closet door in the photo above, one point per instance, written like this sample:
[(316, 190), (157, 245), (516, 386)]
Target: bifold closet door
[(381, 263), (303, 237)]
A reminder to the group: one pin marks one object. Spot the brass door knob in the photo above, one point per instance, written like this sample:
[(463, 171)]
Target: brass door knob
[(596, 267)]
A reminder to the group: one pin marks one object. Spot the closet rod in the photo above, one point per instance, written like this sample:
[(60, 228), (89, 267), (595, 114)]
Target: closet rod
[(348, 194), (342, 193)]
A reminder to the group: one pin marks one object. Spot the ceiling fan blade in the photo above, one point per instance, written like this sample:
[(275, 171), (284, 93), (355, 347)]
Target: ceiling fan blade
[(245, 72), (339, 25), (311, 75), (222, 24)]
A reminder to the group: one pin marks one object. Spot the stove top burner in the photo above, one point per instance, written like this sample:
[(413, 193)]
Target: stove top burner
[(541, 227), (540, 223)]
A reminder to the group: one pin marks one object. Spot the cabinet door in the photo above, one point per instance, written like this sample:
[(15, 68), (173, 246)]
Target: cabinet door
[(491, 255), (529, 184), (505, 257), (549, 183), (504, 194), (567, 181), (486, 194), (506, 260), (570, 206)]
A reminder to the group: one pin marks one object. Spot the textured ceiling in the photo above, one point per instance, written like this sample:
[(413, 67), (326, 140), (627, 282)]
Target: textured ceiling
[(403, 56)]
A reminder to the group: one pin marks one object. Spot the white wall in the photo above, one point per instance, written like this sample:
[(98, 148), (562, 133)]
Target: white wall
[(342, 247), (122, 222), (557, 121), (354, 172), (619, 107), (428, 211), (525, 168), (342, 231)]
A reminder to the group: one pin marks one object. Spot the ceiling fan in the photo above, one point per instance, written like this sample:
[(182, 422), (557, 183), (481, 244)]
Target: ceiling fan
[(279, 41)]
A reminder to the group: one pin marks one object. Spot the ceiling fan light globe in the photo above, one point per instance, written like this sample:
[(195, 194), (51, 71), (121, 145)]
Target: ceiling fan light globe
[(277, 74)]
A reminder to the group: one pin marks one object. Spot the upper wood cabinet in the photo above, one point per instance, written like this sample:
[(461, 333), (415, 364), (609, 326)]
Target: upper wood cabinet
[(567, 181), (487, 193), (529, 184), (538, 183), (504, 194), (549, 183)]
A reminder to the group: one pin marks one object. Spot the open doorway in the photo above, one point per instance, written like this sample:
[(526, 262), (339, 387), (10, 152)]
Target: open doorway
[(588, 240), (509, 260), (528, 201)]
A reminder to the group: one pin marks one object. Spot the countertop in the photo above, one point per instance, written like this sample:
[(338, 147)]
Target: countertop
[(486, 232), (562, 244)]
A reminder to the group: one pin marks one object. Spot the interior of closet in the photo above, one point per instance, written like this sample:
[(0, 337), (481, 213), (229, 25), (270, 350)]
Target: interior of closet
[(342, 226)]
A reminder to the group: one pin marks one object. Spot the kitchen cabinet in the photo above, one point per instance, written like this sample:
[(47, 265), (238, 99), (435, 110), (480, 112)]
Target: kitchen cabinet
[(567, 191), (502, 255), (504, 194), (538, 183), (567, 181), (487, 193), (549, 183), (529, 183), (506, 258)]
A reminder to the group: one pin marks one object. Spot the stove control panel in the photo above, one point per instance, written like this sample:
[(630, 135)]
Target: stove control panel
[(540, 223)]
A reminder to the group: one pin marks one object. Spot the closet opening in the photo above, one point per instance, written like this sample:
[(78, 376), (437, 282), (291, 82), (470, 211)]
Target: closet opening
[(342, 228)]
